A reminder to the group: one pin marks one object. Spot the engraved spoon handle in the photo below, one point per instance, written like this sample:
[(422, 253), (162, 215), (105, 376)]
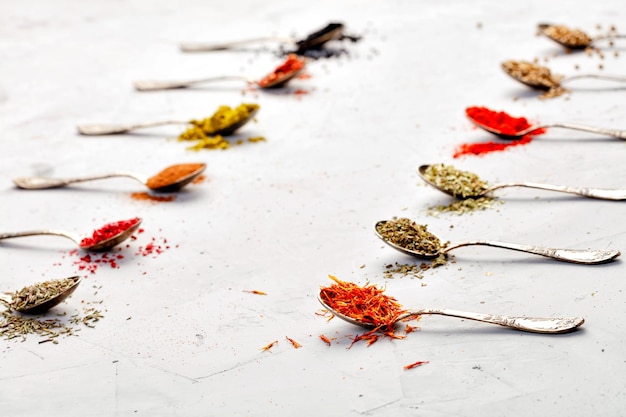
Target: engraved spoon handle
[(600, 193), (112, 129), (207, 47), (580, 256), (528, 324), (68, 235), (153, 85), (40, 183), (620, 134)]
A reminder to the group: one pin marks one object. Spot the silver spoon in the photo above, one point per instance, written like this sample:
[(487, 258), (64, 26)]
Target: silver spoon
[(39, 183), (544, 29), (154, 85), (579, 256), (551, 325), (550, 81), (101, 246), (313, 41), (619, 134), (600, 193), (47, 304), (114, 129)]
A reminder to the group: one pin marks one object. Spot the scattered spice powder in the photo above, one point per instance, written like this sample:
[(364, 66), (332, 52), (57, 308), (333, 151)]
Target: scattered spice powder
[(152, 198), (295, 344), (488, 147), (367, 304), (173, 174), (536, 76), (255, 292), (292, 64), (269, 346), (108, 231), (410, 235), (415, 365), (33, 295), (460, 207), (461, 184)]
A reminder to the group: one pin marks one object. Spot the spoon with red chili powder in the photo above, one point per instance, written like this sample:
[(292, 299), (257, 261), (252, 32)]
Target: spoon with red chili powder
[(369, 307), (285, 72), (506, 126), (100, 240), (171, 179)]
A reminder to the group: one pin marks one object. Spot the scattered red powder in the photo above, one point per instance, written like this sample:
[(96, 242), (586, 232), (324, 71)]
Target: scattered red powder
[(108, 231), (487, 147)]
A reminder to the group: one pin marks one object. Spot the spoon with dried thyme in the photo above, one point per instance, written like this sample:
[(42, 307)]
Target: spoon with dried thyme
[(541, 78), (574, 38), (315, 40), (225, 121), (41, 297), (281, 75), (414, 239), (101, 239), (463, 184), (171, 179), (369, 307)]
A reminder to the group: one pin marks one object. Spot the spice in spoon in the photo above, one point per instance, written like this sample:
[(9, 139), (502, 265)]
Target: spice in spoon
[(499, 120), (461, 184), (291, 65), (535, 75), (172, 174), (410, 235), (108, 231), (33, 295), (574, 38)]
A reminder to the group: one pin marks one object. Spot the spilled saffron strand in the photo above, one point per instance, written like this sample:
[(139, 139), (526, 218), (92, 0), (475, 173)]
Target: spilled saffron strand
[(367, 304), (415, 365), (108, 231)]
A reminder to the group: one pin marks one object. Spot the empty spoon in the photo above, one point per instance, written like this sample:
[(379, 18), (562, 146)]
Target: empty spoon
[(528, 324), (445, 179), (41, 297), (573, 38), (114, 129), (428, 246), (284, 73), (102, 239), (171, 179), (541, 78), (313, 41)]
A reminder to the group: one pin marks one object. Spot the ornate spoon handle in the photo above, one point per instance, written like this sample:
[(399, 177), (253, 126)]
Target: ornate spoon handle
[(207, 47), (112, 129), (581, 256), (154, 85), (40, 183), (68, 235), (620, 134), (527, 324), (615, 78), (600, 193)]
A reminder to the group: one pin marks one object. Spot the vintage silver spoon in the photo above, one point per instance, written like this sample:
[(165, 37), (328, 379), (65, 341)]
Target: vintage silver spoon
[(101, 246), (544, 29), (579, 256), (599, 193), (47, 304), (40, 183), (619, 134), (313, 41), (154, 85), (553, 325), (114, 129)]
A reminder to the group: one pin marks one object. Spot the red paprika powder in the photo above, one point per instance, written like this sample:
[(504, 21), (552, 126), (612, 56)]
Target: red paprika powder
[(293, 63)]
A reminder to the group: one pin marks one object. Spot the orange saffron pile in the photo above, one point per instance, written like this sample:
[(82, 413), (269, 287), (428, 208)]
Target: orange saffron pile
[(367, 304), (293, 63)]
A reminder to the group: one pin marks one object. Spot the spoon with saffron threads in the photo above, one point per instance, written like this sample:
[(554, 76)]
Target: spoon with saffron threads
[(101, 240), (414, 239), (171, 179)]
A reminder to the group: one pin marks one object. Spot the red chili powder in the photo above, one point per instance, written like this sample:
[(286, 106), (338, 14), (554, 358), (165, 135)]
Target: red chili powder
[(498, 120), (108, 231), (293, 63), (486, 147)]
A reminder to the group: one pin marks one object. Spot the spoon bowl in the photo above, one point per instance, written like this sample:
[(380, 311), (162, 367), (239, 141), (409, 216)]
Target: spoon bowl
[(102, 245), (194, 171), (572, 39), (577, 256), (545, 325), (46, 305)]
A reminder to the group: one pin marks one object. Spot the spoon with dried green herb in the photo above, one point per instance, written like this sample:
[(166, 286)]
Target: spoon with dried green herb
[(41, 297), (414, 239), (463, 184), (574, 38)]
